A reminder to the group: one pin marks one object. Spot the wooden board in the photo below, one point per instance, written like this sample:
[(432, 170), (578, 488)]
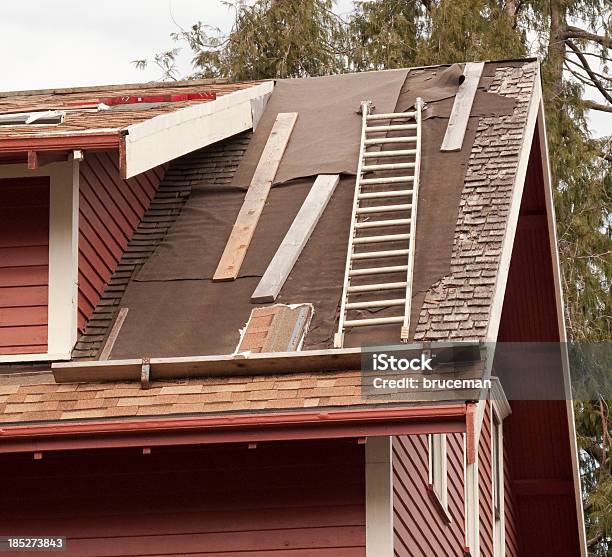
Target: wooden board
[(296, 238), (255, 199), (114, 333), (457, 124)]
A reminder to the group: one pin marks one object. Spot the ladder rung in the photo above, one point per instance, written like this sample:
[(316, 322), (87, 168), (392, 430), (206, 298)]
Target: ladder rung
[(376, 304), (393, 166), (373, 321), (377, 287), (377, 254), (379, 223), (376, 239), (377, 270), (391, 116), (383, 194), (391, 180), (384, 208), (390, 128), (394, 153), (376, 141)]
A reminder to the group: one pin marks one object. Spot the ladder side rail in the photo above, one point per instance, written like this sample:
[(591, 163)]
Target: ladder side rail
[(339, 337), (405, 330)]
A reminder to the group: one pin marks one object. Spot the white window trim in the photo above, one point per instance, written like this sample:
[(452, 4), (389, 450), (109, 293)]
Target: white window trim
[(500, 409), (438, 471), (63, 257)]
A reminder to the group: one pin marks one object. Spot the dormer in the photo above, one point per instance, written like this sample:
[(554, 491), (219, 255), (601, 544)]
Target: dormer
[(78, 170)]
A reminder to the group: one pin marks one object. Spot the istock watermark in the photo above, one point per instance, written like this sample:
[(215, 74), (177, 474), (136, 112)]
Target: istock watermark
[(475, 371)]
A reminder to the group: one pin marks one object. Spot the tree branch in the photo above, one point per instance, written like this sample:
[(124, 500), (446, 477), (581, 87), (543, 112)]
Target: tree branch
[(596, 106), (599, 75), (571, 32), (584, 80), (585, 64)]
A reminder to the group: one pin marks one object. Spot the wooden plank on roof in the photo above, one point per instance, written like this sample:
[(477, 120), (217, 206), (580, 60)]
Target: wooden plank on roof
[(462, 107), (296, 238), (114, 333), (255, 199)]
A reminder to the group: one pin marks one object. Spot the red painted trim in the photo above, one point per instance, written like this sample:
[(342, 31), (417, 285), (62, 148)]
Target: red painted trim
[(235, 428), (470, 436), (101, 140)]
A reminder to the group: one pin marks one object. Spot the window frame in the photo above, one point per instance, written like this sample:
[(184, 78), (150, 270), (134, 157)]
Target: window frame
[(438, 472)]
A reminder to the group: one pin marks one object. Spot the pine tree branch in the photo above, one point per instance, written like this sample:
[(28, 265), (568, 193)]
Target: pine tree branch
[(595, 539), (587, 68), (571, 32), (599, 75), (596, 106), (583, 79)]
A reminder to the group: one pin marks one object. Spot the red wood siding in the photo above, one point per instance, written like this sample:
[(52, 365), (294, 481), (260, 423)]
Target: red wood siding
[(512, 545), (419, 526), (110, 209), (536, 433), (24, 265), (303, 499), (485, 485)]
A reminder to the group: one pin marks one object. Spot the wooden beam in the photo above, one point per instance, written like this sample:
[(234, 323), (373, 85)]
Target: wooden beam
[(462, 107), (296, 238), (255, 199), (114, 333)]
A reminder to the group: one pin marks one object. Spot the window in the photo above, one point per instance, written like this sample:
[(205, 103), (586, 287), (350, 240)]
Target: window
[(438, 476)]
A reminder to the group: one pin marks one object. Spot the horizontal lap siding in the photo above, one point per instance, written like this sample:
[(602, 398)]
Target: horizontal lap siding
[(419, 527), (110, 209), (290, 499), (24, 265)]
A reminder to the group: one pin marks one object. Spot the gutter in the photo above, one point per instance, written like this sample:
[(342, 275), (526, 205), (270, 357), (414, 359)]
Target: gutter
[(282, 426)]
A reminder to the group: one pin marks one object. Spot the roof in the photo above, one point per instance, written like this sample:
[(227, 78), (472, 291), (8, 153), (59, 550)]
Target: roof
[(174, 309), (169, 291), (82, 114)]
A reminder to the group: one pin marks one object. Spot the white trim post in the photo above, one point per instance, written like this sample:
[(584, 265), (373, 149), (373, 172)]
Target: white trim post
[(379, 496), (63, 257)]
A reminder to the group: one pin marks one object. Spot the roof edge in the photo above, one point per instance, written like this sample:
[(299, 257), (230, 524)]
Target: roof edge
[(54, 436), (114, 87)]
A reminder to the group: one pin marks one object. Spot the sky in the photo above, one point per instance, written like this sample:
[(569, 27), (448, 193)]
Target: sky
[(70, 43)]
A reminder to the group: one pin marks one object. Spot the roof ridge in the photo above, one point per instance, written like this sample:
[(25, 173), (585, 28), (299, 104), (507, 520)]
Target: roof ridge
[(115, 87)]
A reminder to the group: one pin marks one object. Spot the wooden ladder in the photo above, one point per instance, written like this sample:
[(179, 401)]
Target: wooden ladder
[(376, 241)]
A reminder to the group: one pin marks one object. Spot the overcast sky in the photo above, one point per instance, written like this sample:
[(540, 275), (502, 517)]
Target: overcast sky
[(64, 43)]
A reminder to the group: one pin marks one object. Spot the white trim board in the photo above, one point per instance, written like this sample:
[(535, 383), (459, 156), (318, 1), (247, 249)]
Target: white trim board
[(552, 234), (63, 256), (296, 238), (169, 136), (379, 496)]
